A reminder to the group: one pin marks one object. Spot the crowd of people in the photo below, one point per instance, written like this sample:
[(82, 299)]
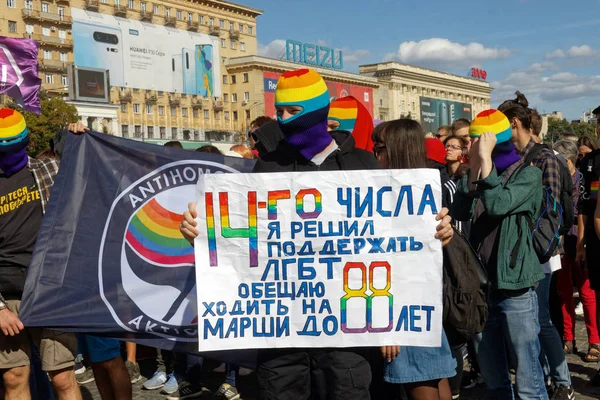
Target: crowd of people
[(499, 185)]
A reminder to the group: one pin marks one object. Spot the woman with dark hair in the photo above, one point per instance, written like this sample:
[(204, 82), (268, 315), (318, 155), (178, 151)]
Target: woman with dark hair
[(423, 371), (585, 145), (456, 148)]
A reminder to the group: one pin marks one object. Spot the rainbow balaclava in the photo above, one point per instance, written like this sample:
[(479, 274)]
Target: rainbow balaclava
[(505, 152), (14, 138), (354, 118), (307, 130)]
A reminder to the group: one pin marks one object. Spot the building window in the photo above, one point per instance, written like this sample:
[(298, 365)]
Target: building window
[(12, 26), (125, 130), (136, 108), (11, 3), (28, 4), (161, 110), (173, 112), (250, 30), (217, 116), (222, 24), (247, 114), (242, 46), (149, 109), (190, 17), (61, 12), (241, 28), (225, 79), (231, 25), (173, 133), (234, 97), (47, 55), (206, 114), (123, 108), (195, 113), (62, 34), (196, 135), (45, 31), (64, 80), (49, 78), (226, 97), (179, 15), (246, 96), (131, 4), (155, 9), (150, 132), (163, 132), (211, 21), (232, 44), (167, 12), (142, 6), (29, 28), (223, 43), (235, 115), (137, 131), (201, 19), (223, 60), (184, 112), (186, 134), (226, 115), (44, 7), (233, 80)]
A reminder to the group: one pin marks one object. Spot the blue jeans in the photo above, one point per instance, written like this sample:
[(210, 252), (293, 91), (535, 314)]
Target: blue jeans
[(552, 356), (512, 324), (231, 374)]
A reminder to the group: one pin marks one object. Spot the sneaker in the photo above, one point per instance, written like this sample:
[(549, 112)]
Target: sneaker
[(227, 392), (579, 309), (156, 382), (79, 368), (86, 377), (188, 391), (470, 380), (563, 393), (134, 371), (455, 396), (171, 385), (220, 369), (245, 371)]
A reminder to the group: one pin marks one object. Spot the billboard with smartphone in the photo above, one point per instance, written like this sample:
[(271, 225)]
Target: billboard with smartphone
[(437, 112), (337, 90), (147, 56)]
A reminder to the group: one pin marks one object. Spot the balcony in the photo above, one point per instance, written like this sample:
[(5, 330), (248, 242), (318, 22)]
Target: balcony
[(92, 5), (233, 34), (63, 1), (214, 30), (171, 21), (151, 98), (125, 97), (45, 16), (53, 65), (218, 105), (146, 16), (120, 11), (193, 26), (197, 103), (174, 100), (57, 90), (49, 40)]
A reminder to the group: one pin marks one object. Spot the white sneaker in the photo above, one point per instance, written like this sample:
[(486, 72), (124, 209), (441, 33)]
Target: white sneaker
[(579, 309), (245, 371), (220, 369)]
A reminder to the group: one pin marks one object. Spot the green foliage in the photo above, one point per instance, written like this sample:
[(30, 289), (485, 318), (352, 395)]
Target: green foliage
[(557, 128), (56, 115), (584, 129)]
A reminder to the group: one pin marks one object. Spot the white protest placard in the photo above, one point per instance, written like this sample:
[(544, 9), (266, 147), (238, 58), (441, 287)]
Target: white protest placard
[(319, 259)]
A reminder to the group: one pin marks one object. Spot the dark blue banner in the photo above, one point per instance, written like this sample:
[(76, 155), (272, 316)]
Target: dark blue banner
[(109, 257)]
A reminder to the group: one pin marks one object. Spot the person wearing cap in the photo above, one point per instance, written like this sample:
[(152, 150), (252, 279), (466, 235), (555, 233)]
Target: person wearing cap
[(302, 103), (497, 192), (25, 185)]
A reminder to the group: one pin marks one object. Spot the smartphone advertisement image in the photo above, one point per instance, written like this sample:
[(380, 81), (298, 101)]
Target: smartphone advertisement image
[(437, 112), (140, 55)]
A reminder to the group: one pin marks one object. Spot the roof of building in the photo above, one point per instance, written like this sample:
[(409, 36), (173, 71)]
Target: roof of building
[(255, 12)]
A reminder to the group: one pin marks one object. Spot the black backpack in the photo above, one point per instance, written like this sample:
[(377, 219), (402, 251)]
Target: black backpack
[(465, 291), (556, 217)]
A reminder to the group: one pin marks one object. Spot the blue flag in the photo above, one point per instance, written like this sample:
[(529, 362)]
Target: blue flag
[(109, 257)]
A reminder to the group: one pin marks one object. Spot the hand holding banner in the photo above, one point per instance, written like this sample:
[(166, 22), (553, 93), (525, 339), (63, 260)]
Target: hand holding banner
[(324, 259)]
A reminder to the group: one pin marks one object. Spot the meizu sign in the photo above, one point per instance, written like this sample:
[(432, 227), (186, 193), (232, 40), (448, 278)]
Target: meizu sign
[(312, 54)]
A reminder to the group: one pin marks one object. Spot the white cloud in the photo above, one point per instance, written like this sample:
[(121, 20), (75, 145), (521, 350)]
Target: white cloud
[(582, 51), (276, 49), (558, 53), (536, 84), (438, 51)]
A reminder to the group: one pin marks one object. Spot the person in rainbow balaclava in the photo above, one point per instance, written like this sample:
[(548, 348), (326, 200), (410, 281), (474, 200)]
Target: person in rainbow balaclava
[(349, 114)]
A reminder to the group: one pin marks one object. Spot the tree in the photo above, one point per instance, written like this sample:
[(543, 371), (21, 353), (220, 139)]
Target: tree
[(56, 115), (584, 129), (557, 128)]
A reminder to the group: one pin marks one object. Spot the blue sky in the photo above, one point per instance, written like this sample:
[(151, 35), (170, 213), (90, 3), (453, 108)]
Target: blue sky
[(547, 49)]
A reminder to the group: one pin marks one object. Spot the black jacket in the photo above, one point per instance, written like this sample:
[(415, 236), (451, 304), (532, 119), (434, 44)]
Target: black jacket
[(285, 158), (269, 135)]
